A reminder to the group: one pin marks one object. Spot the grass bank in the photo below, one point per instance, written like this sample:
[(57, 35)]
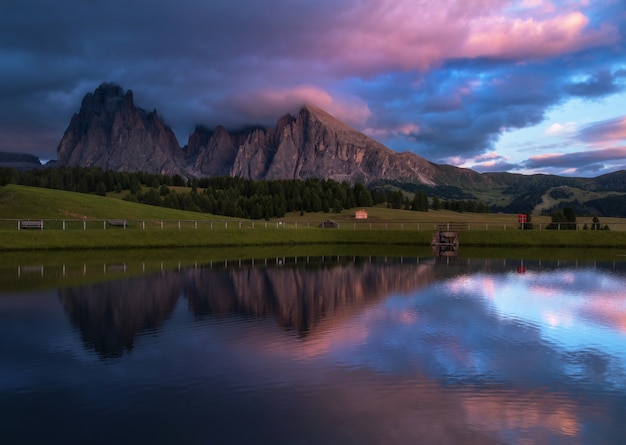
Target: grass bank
[(148, 239)]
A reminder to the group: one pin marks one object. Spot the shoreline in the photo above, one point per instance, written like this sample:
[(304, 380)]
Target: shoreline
[(52, 240)]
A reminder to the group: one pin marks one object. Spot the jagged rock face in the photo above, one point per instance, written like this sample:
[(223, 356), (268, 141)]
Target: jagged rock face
[(215, 151), (313, 144), (110, 132)]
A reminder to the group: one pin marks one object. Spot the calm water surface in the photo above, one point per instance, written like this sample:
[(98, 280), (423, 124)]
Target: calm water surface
[(315, 351)]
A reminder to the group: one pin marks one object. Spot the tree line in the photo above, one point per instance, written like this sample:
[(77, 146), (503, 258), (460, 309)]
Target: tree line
[(233, 196), (565, 219)]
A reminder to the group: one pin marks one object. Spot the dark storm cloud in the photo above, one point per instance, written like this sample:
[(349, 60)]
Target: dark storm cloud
[(183, 59), (598, 84), (443, 80), (461, 109)]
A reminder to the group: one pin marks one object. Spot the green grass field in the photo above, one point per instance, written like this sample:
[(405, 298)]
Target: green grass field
[(77, 221)]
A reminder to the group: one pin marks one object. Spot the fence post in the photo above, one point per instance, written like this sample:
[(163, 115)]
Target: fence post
[(104, 224), (84, 224), (63, 224), (143, 225), (161, 224), (18, 226)]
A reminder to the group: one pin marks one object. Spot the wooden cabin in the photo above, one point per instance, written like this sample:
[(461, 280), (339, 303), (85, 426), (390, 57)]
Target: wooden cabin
[(360, 214)]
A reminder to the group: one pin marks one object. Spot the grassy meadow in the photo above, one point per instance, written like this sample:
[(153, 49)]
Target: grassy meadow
[(79, 221)]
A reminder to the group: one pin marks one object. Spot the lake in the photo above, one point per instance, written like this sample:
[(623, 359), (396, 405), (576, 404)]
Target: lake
[(313, 350)]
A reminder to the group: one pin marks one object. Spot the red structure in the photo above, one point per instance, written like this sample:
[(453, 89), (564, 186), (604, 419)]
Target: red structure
[(360, 214)]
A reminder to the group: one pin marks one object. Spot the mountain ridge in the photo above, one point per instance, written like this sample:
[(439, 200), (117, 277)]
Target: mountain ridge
[(111, 132)]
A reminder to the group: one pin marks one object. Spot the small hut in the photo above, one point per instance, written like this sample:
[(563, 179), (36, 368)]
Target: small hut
[(446, 239), (360, 214), (329, 224)]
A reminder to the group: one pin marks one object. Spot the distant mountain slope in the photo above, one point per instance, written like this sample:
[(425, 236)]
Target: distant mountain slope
[(20, 161)]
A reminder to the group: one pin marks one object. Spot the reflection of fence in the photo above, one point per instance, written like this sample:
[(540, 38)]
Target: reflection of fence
[(154, 224), (56, 271)]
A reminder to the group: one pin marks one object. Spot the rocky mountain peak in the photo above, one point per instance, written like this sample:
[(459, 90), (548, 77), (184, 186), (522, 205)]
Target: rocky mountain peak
[(111, 132), (314, 114), (105, 100)]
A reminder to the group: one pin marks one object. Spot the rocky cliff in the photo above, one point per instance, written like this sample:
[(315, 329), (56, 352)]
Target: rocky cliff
[(110, 132), (311, 144)]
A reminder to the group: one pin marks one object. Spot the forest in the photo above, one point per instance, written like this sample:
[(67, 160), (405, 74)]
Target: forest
[(232, 196)]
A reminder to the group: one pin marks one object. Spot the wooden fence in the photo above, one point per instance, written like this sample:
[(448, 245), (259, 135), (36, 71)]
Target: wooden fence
[(161, 224)]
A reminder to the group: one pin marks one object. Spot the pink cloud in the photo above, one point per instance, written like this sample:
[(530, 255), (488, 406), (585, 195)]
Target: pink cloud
[(271, 103), (557, 129), (609, 131), (576, 159), (404, 129), (530, 38), (405, 34)]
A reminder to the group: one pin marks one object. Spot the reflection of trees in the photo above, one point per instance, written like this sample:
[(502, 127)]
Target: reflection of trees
[(109, 315)]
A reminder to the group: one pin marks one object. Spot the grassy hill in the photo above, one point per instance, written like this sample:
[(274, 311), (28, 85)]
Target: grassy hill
[(21, 202), (516, 193), (384, 227)]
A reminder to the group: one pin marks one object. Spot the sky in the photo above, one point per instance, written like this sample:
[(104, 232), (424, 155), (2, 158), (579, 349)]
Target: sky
[(525, 86)]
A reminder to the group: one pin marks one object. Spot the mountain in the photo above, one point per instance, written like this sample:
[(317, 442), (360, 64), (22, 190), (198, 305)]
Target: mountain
[(110, 132), (19, 161), (311, 144)]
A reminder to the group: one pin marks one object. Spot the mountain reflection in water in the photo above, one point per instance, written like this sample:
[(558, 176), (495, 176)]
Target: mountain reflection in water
[(109, 315), (350, 351)]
